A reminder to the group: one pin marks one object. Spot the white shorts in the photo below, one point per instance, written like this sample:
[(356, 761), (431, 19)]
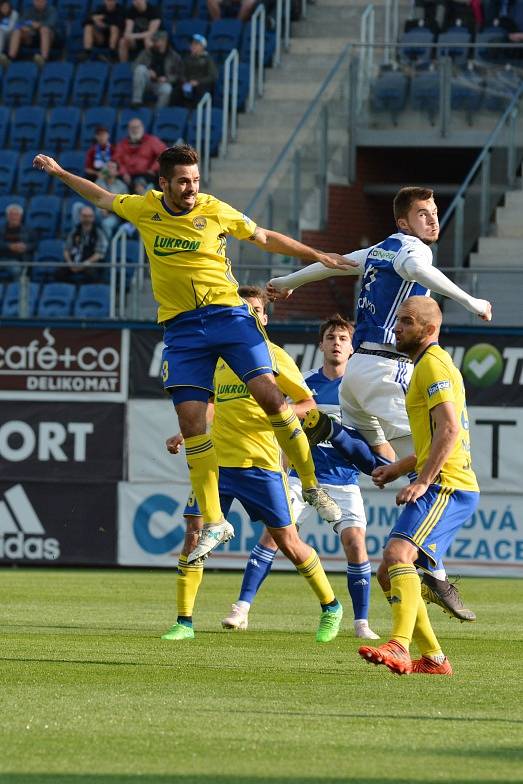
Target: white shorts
[(348, 498), (372, 397)]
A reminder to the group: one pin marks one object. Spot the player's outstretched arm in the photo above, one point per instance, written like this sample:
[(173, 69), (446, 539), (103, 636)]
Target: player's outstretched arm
[(274, 242), (281, 287), (85, 188)]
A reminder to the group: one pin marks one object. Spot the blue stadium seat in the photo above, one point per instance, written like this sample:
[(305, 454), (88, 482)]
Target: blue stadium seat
[(184, 31), (56, 300), (92, 301), (413, 47), (72, 9), (500, 88), (142, 112), (62, 128), (452, 38), (170, 124), (50, 256), (269, 46), (74, 162), (2, 287), (19, 83), (54, 85), (243, 87), (5, 116), (491, 35), (202, 10), (11, 297), (176, 9), (120, 84), (425, 93), (43, 215), (216, 130), (93, 117), (388, 93), (132, 258), (89, 84), (466, 92), (74, 42), (31, 181), (8, 167), (27, 123), (224, 35)]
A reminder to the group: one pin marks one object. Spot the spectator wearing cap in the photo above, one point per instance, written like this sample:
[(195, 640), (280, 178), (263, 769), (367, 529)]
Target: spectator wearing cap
[(142, 21), (16, 243), (137, 154), (109, 180), (242, 9), (103, 28), (158, 70), (98, 153), (200, 72)]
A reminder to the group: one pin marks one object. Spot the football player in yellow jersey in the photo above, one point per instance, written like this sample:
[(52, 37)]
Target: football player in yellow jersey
[(185, 235), (443, 496), (250, 471)]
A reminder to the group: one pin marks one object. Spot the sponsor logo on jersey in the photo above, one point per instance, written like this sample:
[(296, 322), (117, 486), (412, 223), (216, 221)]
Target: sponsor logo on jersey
[(199, 223), (22, 535), (169, 246), (382, 254), (437, 387), (227, 392)]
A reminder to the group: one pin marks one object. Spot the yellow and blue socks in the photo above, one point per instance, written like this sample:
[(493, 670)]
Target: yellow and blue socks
[(315, 575), (258, 567), (294, 443), (203, 470), (189, 577), (424, 636), (405, 596), (358, 582)]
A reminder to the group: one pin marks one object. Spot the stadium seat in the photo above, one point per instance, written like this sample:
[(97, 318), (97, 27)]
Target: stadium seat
[(74, 42), (43, 215), (27, 123), (202, 10), (216, 130), (8, 167), (243, 87), (224, 36), (31, 181), (92, 301), (19, 83), (62, 128), (176, 9), (184, 31), (132, 258), (142, 112), (452, 38), (466, 92), (269, 46), (388, 93), (92, 118), (74, 162), (120, 84), (10, 305), (425, 93), (500, 88), (54, 85), (413, 47), (170, 124), (72, 9), (5, 116), (89, 84), (56, 300), (2, 287), (491, 35), (49, 255)]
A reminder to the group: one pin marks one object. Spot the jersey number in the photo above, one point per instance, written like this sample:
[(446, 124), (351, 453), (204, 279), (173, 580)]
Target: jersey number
[(369, 277)]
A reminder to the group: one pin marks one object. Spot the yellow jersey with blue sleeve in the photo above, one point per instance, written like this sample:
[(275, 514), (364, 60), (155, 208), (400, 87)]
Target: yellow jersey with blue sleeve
[(437, 380), (187, 251), (241, 432)]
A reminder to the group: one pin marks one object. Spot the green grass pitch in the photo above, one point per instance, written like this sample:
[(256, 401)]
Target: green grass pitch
[(89, 693)]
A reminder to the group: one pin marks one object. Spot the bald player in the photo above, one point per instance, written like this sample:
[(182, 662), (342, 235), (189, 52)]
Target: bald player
[(437, 503)]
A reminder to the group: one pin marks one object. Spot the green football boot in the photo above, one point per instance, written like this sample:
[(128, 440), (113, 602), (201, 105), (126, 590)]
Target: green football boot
[(329, 624), (179, 632)]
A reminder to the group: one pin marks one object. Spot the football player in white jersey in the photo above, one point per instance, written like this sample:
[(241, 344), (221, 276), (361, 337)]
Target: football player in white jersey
[(372, 394)]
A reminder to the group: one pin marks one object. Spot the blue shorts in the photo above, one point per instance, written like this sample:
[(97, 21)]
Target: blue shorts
[(196, 339), (262, 493), (432, 522)]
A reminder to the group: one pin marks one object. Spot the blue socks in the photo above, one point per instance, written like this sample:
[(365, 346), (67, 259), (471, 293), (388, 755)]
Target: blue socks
[(358, 581), (257, 569), (354, 448)]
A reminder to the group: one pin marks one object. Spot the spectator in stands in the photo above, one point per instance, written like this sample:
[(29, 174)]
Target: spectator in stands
[(99, 153), (37, 27), (242, 9), (200, 70), (157, 69), (16, 243), (137, 154), (85, 246), (109, 179), (103, 28), (469, 13), (142, 21), (8, 20)]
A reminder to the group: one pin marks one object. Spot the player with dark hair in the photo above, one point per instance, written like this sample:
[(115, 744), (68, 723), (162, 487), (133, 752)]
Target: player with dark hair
[(250, 471), (185, 234)]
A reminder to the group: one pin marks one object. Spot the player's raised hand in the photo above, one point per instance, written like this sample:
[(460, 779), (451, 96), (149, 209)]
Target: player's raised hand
[(276, 294), (335, 261), (48, 165), (174, 443), (487, 313)]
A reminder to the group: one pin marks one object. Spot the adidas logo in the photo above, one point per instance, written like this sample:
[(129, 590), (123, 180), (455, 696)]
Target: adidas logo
[(22, 535), (363, 581), (254, 562), (296, 433), (394, 600), (156, 217)]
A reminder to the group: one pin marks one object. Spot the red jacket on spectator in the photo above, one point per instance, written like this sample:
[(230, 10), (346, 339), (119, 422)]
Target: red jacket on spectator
[(139, 158)]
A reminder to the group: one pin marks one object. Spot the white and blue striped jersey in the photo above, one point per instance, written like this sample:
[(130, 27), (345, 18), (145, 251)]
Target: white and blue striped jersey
[(331, 468), (385, 285)]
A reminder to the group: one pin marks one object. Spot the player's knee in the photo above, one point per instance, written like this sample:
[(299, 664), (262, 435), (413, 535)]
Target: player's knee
[(353, 541)]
